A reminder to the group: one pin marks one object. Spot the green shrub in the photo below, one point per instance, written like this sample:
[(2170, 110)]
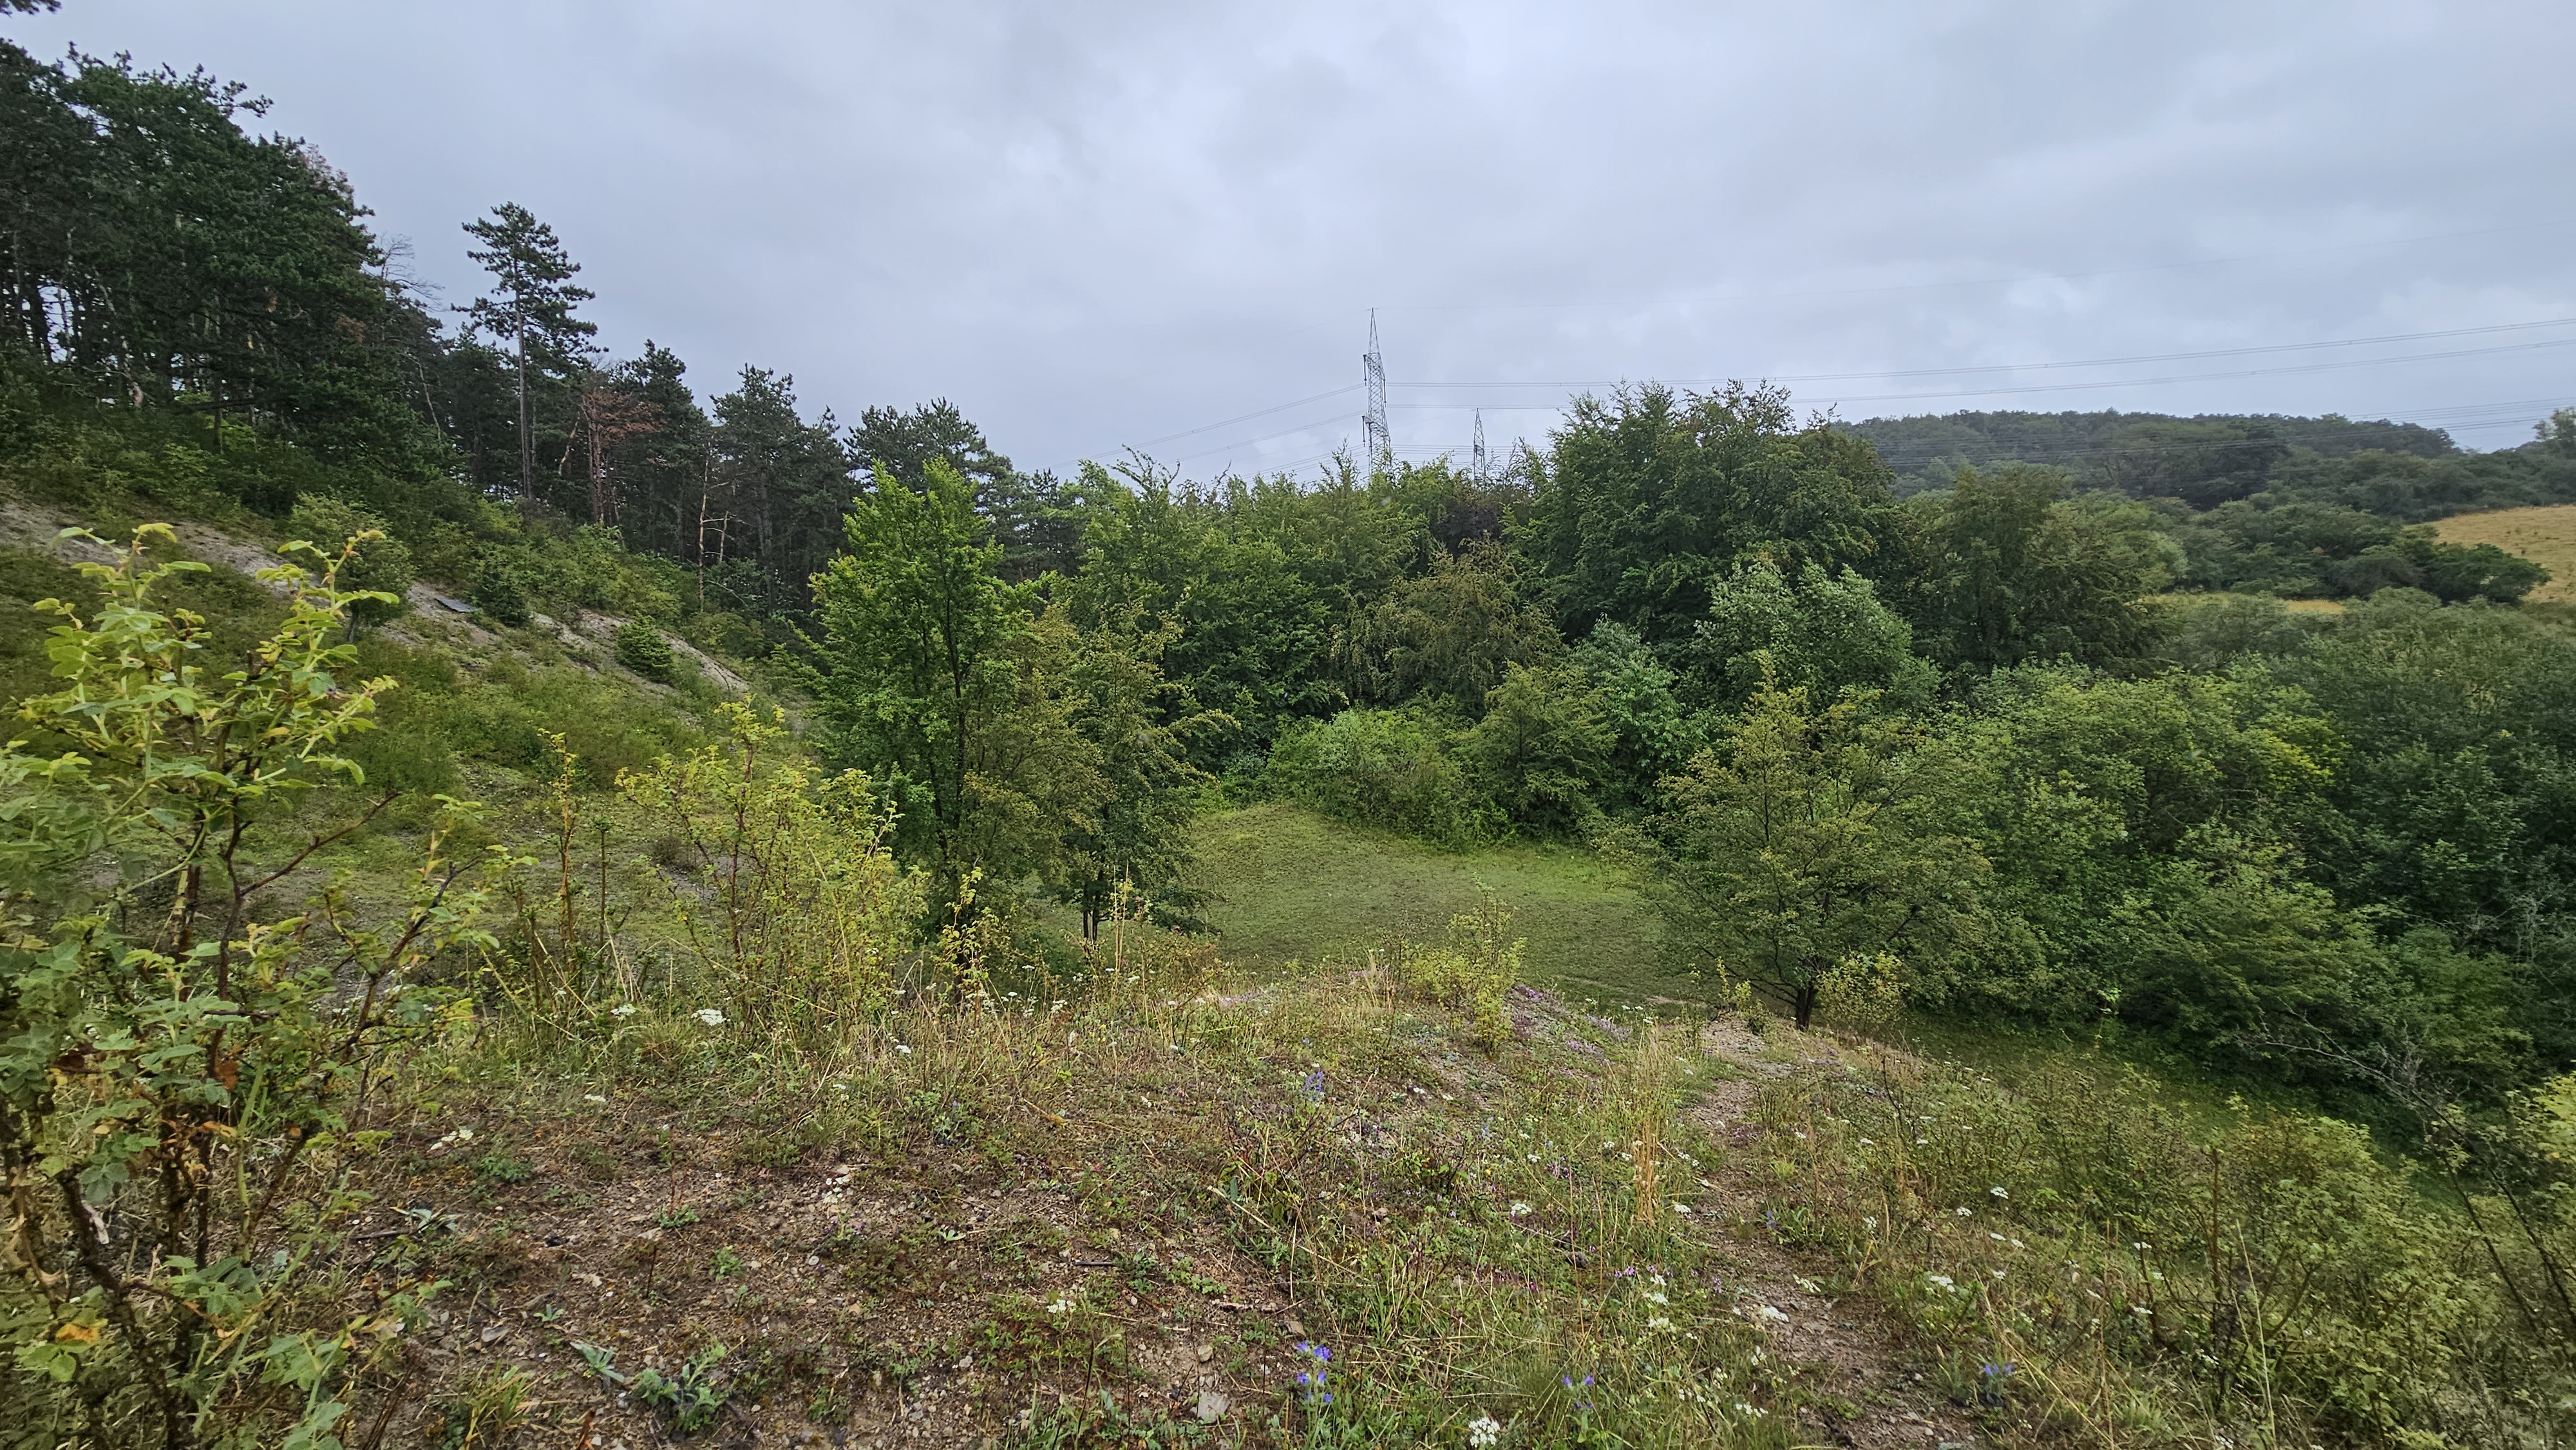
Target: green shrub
[(808, 911), (1542, 752), (120, 1053), (497, 591), (1862, 993), (378, 564), (592, 570), (1388, 768), (504, 713), (641, 648), (1474, 970)]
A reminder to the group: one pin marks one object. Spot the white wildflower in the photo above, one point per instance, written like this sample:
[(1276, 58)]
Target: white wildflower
[(622, 1009), (1483, 1432), (711, 1017), (1520, 1208)]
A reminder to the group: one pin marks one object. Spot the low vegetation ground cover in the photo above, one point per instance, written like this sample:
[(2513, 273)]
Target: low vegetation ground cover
[(1289, 885)]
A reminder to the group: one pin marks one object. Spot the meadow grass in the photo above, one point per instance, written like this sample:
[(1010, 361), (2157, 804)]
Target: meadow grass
[(1293, 886), (2545, 535)]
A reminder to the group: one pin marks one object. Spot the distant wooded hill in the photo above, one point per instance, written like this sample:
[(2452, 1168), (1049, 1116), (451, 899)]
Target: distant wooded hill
[(2204, 460), (2080, 440)]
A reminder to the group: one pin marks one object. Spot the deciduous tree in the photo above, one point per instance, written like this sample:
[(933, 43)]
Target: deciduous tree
[(1810, 835)]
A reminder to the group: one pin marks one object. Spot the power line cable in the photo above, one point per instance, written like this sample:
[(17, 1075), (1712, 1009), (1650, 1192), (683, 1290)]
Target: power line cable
[(1988, 281), (2098, 362), (1248, 417)]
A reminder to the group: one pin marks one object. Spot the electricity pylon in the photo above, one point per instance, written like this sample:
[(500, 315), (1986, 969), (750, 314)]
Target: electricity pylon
[(1373, 435)]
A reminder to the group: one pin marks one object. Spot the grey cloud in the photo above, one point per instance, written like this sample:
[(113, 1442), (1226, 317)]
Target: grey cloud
[(1093, 225)]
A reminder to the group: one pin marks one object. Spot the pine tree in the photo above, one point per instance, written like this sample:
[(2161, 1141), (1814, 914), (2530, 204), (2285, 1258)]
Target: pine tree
[(531, 307)]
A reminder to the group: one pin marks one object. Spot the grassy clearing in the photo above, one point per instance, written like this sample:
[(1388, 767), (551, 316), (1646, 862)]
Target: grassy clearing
[(2545, 535), (1293, 886)]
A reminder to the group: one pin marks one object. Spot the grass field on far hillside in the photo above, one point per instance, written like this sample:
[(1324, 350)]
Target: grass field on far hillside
[(1292, 885), (2546, 536)]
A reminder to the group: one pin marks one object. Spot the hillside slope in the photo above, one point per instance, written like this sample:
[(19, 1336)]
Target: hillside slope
[(2545, 535)]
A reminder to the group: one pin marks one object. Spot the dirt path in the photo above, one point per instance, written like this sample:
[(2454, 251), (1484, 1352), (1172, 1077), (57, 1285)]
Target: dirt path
[(1863, 1357)]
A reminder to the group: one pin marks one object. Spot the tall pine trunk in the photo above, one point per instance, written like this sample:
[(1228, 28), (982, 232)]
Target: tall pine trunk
[(527, 441)]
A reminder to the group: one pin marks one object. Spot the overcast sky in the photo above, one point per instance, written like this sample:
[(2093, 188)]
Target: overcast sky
[(1103, 225)]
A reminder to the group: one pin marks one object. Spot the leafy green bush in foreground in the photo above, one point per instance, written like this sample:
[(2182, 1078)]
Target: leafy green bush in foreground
[(184, 1069)]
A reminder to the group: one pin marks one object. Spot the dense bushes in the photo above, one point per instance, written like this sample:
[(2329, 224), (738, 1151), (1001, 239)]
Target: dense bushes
[(643, 649), (808, 913), (1387, 768), (1810, 836)]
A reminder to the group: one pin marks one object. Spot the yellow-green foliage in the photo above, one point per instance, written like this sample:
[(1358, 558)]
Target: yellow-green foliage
[(1864, 994), (781, 880), (1474, 970)]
